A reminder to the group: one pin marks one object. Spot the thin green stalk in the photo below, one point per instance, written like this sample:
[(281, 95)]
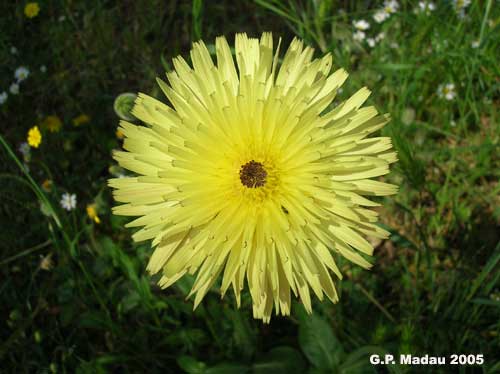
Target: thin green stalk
[(38, 191), (485, 19), (26, 252)]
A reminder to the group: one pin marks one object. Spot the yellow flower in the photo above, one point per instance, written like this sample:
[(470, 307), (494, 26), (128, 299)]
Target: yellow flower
[(52, 123), (34, 137), (81, 119), (251, 175), (46, 263), (92, 213), (119, 134), (47, 185), (31, 10)]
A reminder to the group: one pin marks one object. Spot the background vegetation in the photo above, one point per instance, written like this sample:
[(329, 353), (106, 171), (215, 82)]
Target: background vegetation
[(74, 295)]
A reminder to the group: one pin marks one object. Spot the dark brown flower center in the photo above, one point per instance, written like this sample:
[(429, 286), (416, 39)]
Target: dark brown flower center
[(253, 174)]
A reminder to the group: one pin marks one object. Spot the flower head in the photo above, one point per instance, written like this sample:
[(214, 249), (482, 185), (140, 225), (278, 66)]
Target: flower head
[(447, 91), (460, 6), (3, 97), (34, 137), (14, 88), (119, 134), (380, 16), (46, 262), (425, 7), (68, 201), (251, 174), (380, 36), (92, 213), (391, 6), (361, 25), (47, 185), (371, 42), (21, 73), (81, 120), (359, 36), (52, 123), (25, 150), (31, 10)]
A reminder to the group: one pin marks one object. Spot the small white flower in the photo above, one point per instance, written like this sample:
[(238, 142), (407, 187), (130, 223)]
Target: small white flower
[(43, 69), (425, 7), (359, 36), (380, 16), (3, 97), (21, 73), (371, 42), (447, 91), (61, 18), (461, 4), (380, 36), (14, 88), (391, 6), (68, 201), (361, 25), (475, 44), (24, 149), (13, 50)]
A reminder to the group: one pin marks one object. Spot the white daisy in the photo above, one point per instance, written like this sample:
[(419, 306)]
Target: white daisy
[(371, 42), (425, 7), (461, 4), (380, 36), (21, 73), (391, 6), (14, 88), (447, 91), (475, 44), (68, 201), (361, 25), (380, 16), (359, 36), (25, 149), (3, 97)]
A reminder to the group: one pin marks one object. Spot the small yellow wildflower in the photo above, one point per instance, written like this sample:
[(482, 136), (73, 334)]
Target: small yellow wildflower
[(81, 119), (47, 185), (52, 123), (46, 262), (119, 134), (92, 213), (34, 137), (31, 10)]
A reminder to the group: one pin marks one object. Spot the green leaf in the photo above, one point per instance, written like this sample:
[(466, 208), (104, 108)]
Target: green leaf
[(191, 365), (318, 343), (228, 368), (286, 360)]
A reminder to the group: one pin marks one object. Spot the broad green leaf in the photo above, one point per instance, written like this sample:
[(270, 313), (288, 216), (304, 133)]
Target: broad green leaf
[(318, 343), (190, 365), (286, 360)]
